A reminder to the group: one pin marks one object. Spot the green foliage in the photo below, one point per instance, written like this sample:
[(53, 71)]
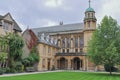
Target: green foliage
[(30, 69), (1, 71), (12, 44), (112, 68), (15, 46), (104, 47), (34, 53), (32, 58), (7, 70), (19, 66), (26, 62), (3, 56)]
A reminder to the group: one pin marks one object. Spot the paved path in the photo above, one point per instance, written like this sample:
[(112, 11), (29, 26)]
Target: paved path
[(17, 74)]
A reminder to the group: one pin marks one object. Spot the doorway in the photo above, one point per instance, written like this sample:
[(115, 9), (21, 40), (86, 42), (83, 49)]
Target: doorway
[(76, 63)]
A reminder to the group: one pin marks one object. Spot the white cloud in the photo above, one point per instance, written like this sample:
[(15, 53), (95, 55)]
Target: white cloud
[(53, 3), (110, 8), (57, 4)]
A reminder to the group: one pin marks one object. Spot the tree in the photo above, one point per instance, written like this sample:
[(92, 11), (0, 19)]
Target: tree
[(13, 44), (104, 46), (32, 58), (16, 44), (3, 58), (3, 51)]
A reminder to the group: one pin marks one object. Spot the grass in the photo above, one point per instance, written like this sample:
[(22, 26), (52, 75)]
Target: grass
[(65, 76)]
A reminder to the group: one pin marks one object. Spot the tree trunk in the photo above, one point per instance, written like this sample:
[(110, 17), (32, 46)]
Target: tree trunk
[(110, 70), (0, 64)]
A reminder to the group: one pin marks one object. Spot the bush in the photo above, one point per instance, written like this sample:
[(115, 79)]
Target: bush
[(1, 71), (12, 70), (19, 67), (30, 69), (7, 70), (113, 69)]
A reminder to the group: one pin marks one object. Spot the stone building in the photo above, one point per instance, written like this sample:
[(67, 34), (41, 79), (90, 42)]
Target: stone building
[(46, 46), (71, 40), (8, 25)]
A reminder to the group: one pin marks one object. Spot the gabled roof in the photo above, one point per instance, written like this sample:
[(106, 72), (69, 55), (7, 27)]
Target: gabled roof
[(16, 26), (59, 28)]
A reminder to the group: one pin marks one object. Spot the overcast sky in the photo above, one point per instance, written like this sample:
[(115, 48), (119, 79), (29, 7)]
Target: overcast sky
[(42, 13)]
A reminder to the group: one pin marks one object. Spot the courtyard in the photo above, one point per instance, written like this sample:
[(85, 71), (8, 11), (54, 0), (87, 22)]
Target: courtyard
[(64, 75)]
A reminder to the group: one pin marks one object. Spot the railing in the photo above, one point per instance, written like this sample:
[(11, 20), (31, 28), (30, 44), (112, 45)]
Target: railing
[(70, 54)]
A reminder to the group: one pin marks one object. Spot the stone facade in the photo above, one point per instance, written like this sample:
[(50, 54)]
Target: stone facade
[(47, 56), (8, 25), (46, 48), (71, 42)]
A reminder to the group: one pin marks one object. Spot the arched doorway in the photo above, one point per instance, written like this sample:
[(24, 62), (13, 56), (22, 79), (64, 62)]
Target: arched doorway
[(48, 64), (63, 63), (76, 63)]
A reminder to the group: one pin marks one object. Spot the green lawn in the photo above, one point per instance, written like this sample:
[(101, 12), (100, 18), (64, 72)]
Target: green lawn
[(65, 76)]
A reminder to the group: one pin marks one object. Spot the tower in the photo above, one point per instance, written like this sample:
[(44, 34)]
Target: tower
[(90, 19), (89, 25)]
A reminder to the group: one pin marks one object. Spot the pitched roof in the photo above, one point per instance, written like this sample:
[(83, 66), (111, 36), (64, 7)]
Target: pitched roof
[(16, 26), (59, 28)]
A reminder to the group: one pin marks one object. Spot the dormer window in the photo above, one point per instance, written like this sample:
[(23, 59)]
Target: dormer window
[(42, 36)]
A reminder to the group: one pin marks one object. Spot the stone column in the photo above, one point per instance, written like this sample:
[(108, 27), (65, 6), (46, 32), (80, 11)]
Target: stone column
[(72, 45), (78, 44), (87, 64), (84, 64), (69, 64)]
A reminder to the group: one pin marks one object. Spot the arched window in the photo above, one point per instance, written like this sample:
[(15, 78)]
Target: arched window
[(68, 42), (59, 42), (81, 42), (63, 50), (44, 50), (63, 43), (76, 42)]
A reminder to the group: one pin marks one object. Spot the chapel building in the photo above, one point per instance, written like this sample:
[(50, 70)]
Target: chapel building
[(64, 46)]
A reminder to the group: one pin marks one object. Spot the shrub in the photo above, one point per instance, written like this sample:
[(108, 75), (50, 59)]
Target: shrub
[(7, 70), (30, 69), (12, 70), (1, 71), (19, 67), (107, 68)]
